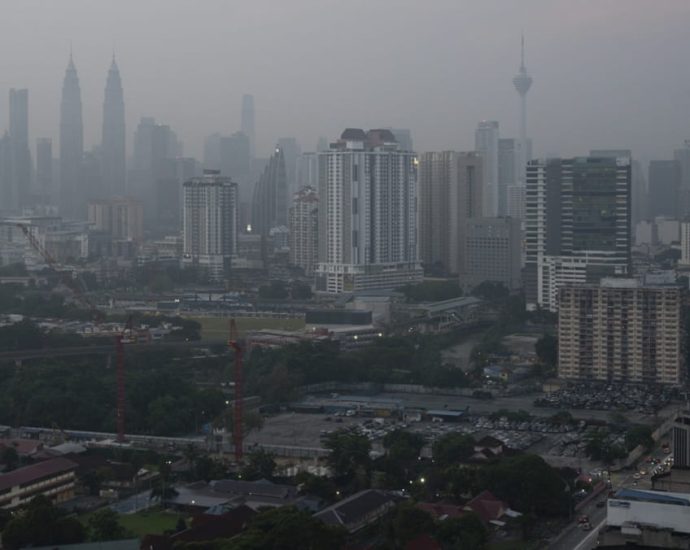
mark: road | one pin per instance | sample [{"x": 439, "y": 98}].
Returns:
[
  {"x": 574, "y": 538},
  {"x": 102, "y": 350}
]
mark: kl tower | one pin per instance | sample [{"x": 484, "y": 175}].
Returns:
[{"x": 522, "y": 82}]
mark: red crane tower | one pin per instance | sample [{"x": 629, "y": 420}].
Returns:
[
  {"x": 98, "y": 317},
  {"x": 237, "y": 428},
  {"x": 120, "y": 376}
]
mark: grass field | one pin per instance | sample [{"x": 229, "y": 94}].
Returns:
[
  {"x": 149, "y": 522},
  {"x": 216, "y": 328}
]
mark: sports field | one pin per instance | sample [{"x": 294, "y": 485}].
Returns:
[{"x": 216, "y": 328}]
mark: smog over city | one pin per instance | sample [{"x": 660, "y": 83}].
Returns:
[{"x": 377, "y": 274}]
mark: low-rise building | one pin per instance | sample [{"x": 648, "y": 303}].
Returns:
[
  {"x": 646, "y": 519},
  {"x": 54, "y": 478},
  {"x": 359, "y": 510}
]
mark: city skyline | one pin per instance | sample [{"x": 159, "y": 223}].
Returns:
[{"x": 564, "y": 66}]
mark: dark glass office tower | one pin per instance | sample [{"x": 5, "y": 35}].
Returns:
[{"x": 577, "y": 224}]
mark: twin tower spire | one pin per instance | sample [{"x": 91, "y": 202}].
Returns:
[{"x": 75, "y": 187}]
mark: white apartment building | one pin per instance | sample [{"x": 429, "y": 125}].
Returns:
[
  {"x": 304, "y": 230},
  {"x": 210, "y": 223},
  {"x": 367, "y": 214}
]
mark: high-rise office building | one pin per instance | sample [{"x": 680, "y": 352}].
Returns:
[
  {"x": 114, "y": 172},
  {"x": 450, "y": 193},
  {"x": 304, "y": 230},
  {"x": 492, "y": 252},
  {"x": 291, "y": 153},
  {"x": 44, "y": 170},
  {"x": 308, "y": 170},
  {"x": 664, "y": 186},
  {"x": 682, "y": 156},
  {"x": 577, "y": 225},
  {"x": 21, "y": 156},
  {"x": 367, "y": 214},
  {"x": 622, "y": 330},
  {"x": 249, "y": 123},
  {"x": 154, "y": 145},
  {"x": 7, "y": 190},
  {"x": 210, "y": 224},
  {"x": 72, "y": 203},
  {"x": 508, "y": 166},
  {"x": 269, "y": 206},
  {"x": 169, "y": 193},
  {"x": 638, "y": 184},
  {"x": 486, "y": 144}
]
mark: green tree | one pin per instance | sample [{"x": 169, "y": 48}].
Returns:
[
  {"x": 349, "y": 453},
  {"x": 639, "y": 434},
  {"x": 467, "y": 531},
  {"x": 452, "y": 448},
  {"x": 319, "y": 486},
  {"x": 104, "y": 524},
  {"x": 260, "y": 465},
  {"x": 529, "y": 485},
  {"x": 491, "y": 290},
  {"x": 41, "y": 524},
  {"x": 9, "y": 457},
  {"x": 286, "y": 528},
  {"x": 407, "y": 523},
  {"x": 275, "y": 290},
  {"x": 403, "y": 445},
  {"x": 546, "y": 349}
]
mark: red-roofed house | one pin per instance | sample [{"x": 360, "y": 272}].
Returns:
[
  {"x": 53, "y": 478},
  {"x": 440, "y": 510},
  {"x": 489, "y": 508}
]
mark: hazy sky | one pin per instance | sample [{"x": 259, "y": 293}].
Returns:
[{"x": 607, "y": 73}]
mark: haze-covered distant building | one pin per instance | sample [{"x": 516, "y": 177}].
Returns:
[
  {"x": 210, "y": 224},
  {"x": 367, "y": 214},
  {"x": 249, "y": 123},
  {"x": 450, "y": 193},
  {"x": 21, "y": 156},
  {"x": 154, "y": 145},
  {"x": 122, "y": 220},
  {"x": 492, "y": 252},
  {"x": 44, "y": 170},
  {"x": 304, "y": 230},
  {"x": 269, "y": 205},
  {"x": 486, "y": 144},
  {"x": 114, "y": 171},
  {"x": 577, "y": 225},
  {"x": 291, "y": 154},
  {"x": 72, "y": 203},
  {"x": 664, "y": 188},
  {"x": 682, "y": 156}
]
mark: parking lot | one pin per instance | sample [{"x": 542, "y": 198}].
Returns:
[{"x": 644, "y": 400}]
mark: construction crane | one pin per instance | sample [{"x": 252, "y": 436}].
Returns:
[
  {"x": 52, "y": 262},
  {"x": 98, "y": 317},
  {"x": 237, "y": 428},
  {"x": 120, "y": 376}
]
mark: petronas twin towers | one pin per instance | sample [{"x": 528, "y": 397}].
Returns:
[{"x": 76, "y": 186}]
